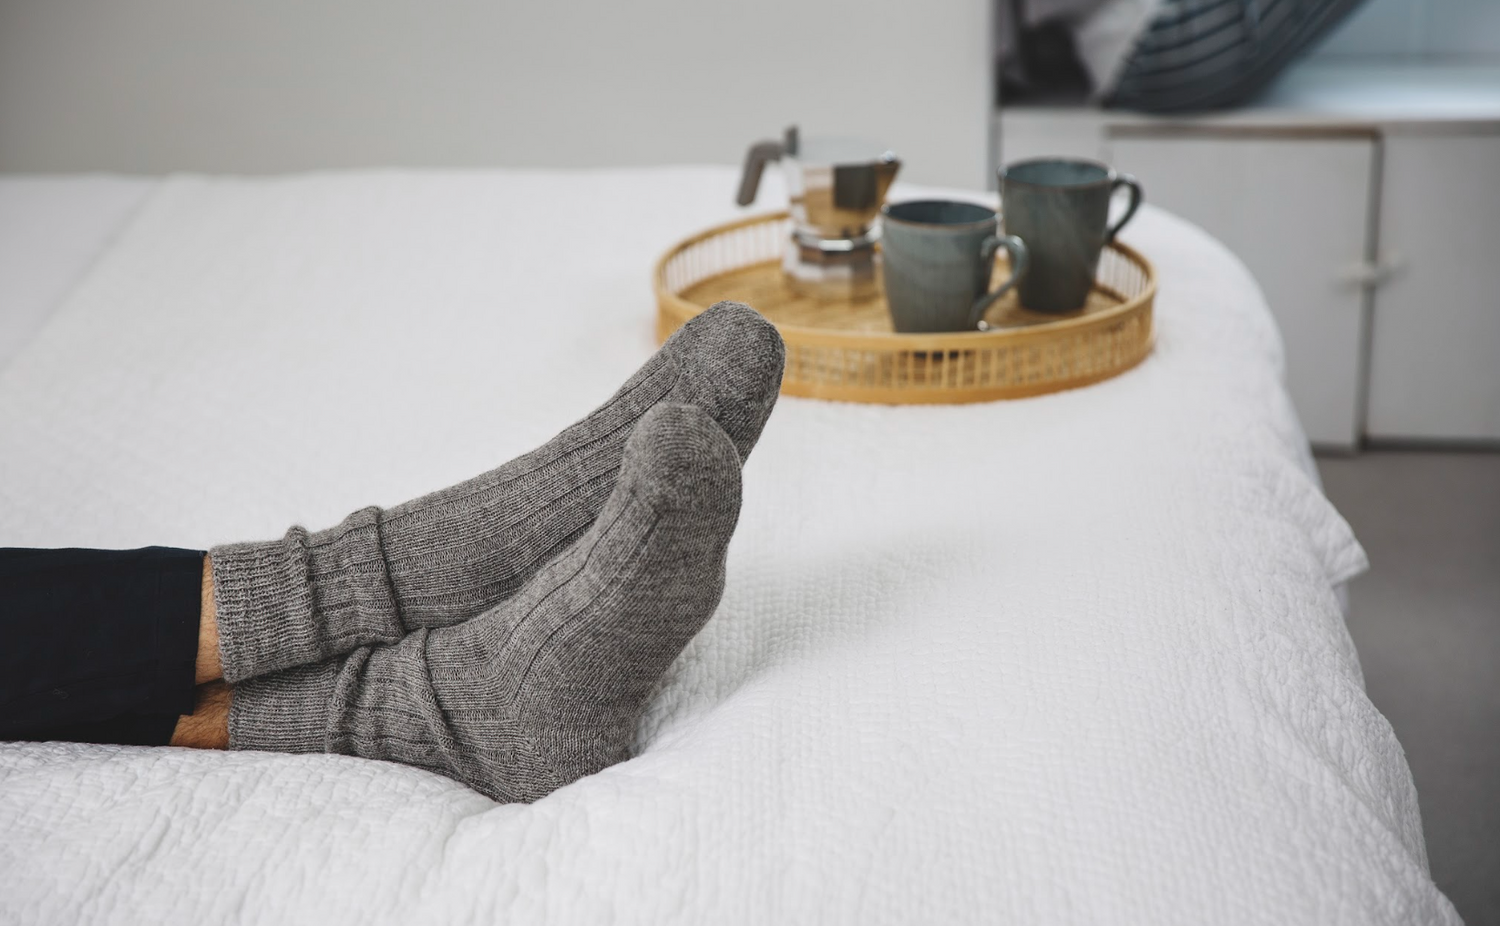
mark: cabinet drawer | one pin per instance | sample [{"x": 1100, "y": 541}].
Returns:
[
  {"x": 1296, "y": 209},
  {"x": 1435, "y": 348}
]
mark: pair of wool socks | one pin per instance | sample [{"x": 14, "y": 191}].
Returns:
[{"x": 507, "y": 631}]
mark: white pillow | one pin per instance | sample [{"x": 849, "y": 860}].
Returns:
[{"x": 1105, "y": 38}]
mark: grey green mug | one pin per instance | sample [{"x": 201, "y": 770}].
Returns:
[
  {"x": 1060, "y": 207},
  {"x": 937, "y": 259}
]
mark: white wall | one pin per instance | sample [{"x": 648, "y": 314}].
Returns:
[
  {"x": 274, "y": 85},
  {"x": 1450, "y": 30}
]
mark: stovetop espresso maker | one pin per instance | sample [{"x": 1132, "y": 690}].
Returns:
[{"x": 836, "y": 187}]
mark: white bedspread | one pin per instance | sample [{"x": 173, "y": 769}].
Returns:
[
  {"x": 51, "y": 229},
  {"x": 1072, "y": 659}
]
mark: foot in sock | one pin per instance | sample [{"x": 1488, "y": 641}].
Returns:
[
  {"x": 547, "y": 686},
  {"x": 447, "y": 556}
]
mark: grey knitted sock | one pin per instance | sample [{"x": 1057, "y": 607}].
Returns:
[
  {"x": 447, "y": 556},
  {"x": 548, "y": 686}
]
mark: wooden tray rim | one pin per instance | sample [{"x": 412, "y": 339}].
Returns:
[{"x": 895, "y": 340}]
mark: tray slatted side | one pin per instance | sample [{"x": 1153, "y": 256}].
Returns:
[
  {"x": 845, "y": 349},
  {"x": 721, "y": 250},
  {"x": 980, "y": 373}
]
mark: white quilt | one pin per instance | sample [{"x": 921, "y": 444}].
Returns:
[{"x": 1071, "y": 659}]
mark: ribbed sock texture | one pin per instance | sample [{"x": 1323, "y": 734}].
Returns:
[
  {"x": 445, "y": 557},
  {"x": 549, "y": 685}
]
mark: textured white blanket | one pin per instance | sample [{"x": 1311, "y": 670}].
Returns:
[{"x": 1072, "y": 659}]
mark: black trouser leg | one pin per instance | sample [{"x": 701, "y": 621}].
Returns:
[{"x": 98, "y": 646}]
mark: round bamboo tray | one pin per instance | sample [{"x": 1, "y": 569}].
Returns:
[{"x": 844, "y": 349}]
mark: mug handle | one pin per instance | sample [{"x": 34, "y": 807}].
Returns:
[
  {"x": 1135, "y": 203},
  {"x": 989, "y": 249}
]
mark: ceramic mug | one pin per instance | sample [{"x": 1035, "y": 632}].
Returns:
[
  {"x": 1060, "y": 207},
  {"x": 937, "y": 259}
]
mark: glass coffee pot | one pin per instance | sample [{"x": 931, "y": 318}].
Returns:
[{"x": 836, "y": 187}]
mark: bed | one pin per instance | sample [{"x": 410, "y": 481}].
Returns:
[{"x": 1071, "y": 659}]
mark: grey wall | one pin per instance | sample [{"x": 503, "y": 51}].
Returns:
[{"x": 275, "y": 85}]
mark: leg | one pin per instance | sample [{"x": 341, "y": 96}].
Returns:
[
  {"x": 660, "y": 543},
  {"x": 207, "y": 727},
  {"x": 101, "y": 645},
  {"x": 206, "y": 665},
  {"x": 290, "y": 605},
  {"x": 548, "y": 686},
  {"x": 445, "y": 557}
]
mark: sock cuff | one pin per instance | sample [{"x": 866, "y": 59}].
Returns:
[
  {"x": 263, "y": 603},
  {"x": 302, "y": 598},
  {"x": 285, "y": 711}
]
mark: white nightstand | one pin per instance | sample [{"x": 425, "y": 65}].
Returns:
[{"x": 1366, "y": 201}]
